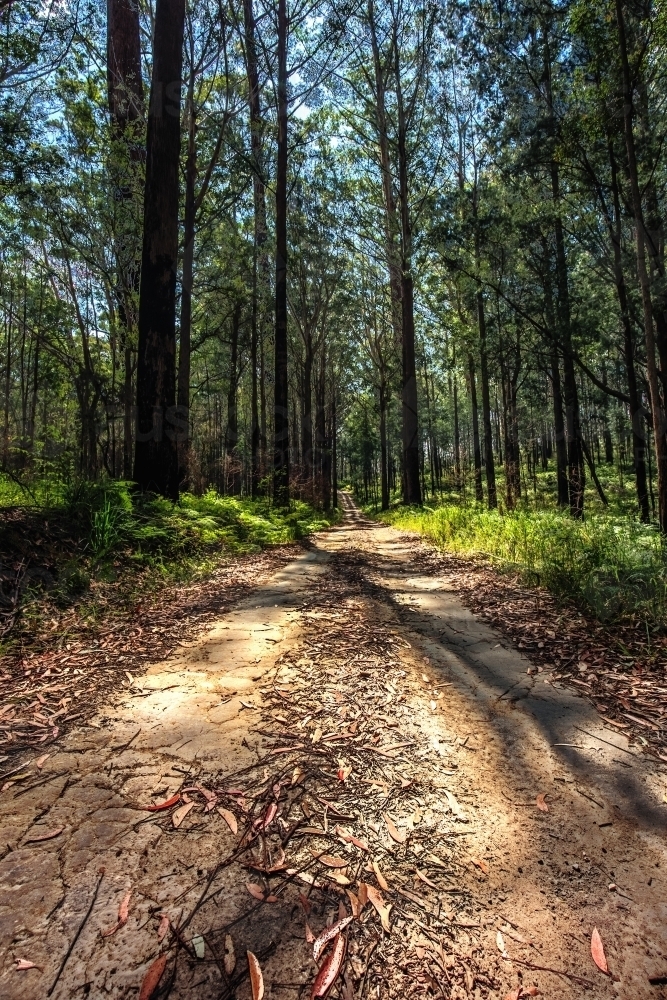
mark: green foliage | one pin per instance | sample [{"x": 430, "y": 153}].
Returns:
[{"x": 614, "y": 564}]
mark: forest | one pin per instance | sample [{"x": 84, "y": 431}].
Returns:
[{"x": 414, "y": 249}]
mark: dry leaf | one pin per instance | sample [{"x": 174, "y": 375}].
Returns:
[
  {"x": 455, "y": 807},
  {"x": 268, "y": 817},
  {"x": 482, "y": 865},
  {"x": 425, "y": 879},
  {"x": 24, "y": 963},
  {"x": 541, "y": 804},
  {"x": 297, "y": 774},
  {"x": 329, "y": 860},
  {"x": 179, "y": 815},
  {"x": 354, "y": 902},
  {"x": 164, "y": 805},
  {"x": 310, "y": 937},
  {"x": 398, "y": 835},
  {"x": 255, "y": 890},
  {"x": 328, "y": 974},
  {"x": 42, "y": 760},
  {"x": 256, "y": 978},
  {"x": 380, "y": 905},
  {"x": 382, "y": 882},
  {"x": 49, "y": 835},
  {"x": 500, "y": 943},
  {"x": 229, "y": 818},
  {"x": 152, "y": 978},
  {"x": 363, "y": 894},
  {"x": 317, "y": 735},
  {"x": 305, "y": 902},
  {"x": 164, "y": 926},
  {"x": 349, "y": 838},
  {"x": 229, "y": 958},
  {"x": 597, "y": 951},
  {"x": 327, "y": 934},
  {"x": 123, "y": 914},
  {"x": 338, "y": 877}
]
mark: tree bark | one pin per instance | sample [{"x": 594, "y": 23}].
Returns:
[
  {"x": 280, "y": 408},
  {"x": 490, "y": 469},
  {"x": 233, "y": 478},
  {"x": 185, "y": 332},
  {"x": 156, "y": 459},
  {"x": 477, "y": 454},
  {"x": 307, "y": 416},
  {"x": 659, "y": 423}
]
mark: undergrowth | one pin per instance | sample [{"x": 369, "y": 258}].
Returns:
[
  {"x": 83, "y": 544},
  {"x": 611, "y": 563}
]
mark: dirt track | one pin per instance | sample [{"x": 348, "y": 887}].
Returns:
[{"x": 351, "y": 697}]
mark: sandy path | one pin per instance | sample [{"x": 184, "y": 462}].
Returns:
[{"x": 353, "y": 656}]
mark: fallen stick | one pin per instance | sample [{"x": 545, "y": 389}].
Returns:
[
  {"x": 76, "y": 936},
  {"x": 556, "y": 972}
]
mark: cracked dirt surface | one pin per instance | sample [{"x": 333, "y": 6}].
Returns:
[{"x": 351, "y": 694}]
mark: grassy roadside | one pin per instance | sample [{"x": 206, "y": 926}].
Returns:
[
  {"x": 77, "y": 551},
  {"x": 611, "y": 564}
]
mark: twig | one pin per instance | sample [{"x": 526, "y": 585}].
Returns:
[
  {"x": 124, "y": 746},
  {"x": 76, "y": 936},
  {"x": 556, "y": 972}
]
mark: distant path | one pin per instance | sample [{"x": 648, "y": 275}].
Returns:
[{"x": 353, "y": 660}]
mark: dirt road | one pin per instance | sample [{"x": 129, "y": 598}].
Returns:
[{"x": 349, "y": 740}]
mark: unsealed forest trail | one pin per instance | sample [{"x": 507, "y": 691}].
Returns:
[{"x": 349, "y": 740}]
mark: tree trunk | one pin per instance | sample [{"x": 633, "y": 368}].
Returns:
[
  {"x": 479, "y": 489},
  {"x": 307, "y": 418},
  {"x": 384, "y": 471},
  {"x": 280, "y": 408},
  {"x": 183, "y": 395},
  {"x": 492, "y": 497},
  {"x": 260, "y": 281},
  {"x": 125, "y": 98},
  {"x": 334, "y": 445},
  {"x": 233, "y": 478},
  {"x": 658, "y": 413},
  {"x": 457, "y": 439},
  {"x": 156, "y": 460}
]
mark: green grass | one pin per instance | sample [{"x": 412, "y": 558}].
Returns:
[
  {"x": 82, "y": 545},
  {"x": 610, "y": 562}
]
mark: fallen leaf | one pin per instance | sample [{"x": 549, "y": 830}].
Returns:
[
  {"x": 24, "y": 963},
  {"x": 268, "y": 816},
  {"x": 382, "y": 882},
  {"x": 597, "y": 951},
  {"x": 380, "y": 905},
  {"x": 164, "y": 805},
  {"x": 481, "y": 864},
  {"x": 454, "y": 806},
  {"x": 425, "y": 879},
  {"x": 164, "y": 926},
  {"x": 248, "y": 704},
  {"x": 256, "y": 978},
  {"x": 317, "y": 735},
  {"x": 42, "y": 760},
  {"x": 229, "y": 955},
  {"x": 255, "y": 890},
  {"x": 123, "y": 914},
  {"x": 328, "y": 974},
  {"x": 500, "y": 943},
  {"x": 354, "y": 902},
  {"x": 229, "y": 818},
  {"x": 343, "y": 773},
  {"x": 179, "y": 815},
  {"x": 363, "y": 894},
  {"x": 310, "y": 937},
  {"x": 398, "y": 835},
  {"x": 305, "y": 902},
  {"x": 199, "y": 945},
  {"x": 330, "y": 860},
  {"x": 151, "y": 980},
  {"x": 327, "y": 934},
  {"x": 297, "y": 774},
  {"x": 541, "y": 804},
  {"x": 338, "y": 877},
  {"x": 49, "y": 835},
  {"x": 349, "y": 838}
]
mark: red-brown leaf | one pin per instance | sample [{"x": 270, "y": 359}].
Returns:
[
  {"x": 123, "y": 914},
  {"x": 597, "y": 951},
  {"x": 327, "y": 934},
  {"x": 328, "y": 974},
  {"x": 152, "y": 978},
  {"x": 256, "y": 978},
  {"x": 541, "y": 804},
  {"x": 163, "y": 805},
  {"x": 49, "y": 835},
  {"x": 255, "y": 890}
]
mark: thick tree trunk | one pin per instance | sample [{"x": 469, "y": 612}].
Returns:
[
  {"x": 280, "y": 408},
  {"x": 334, "y": 446},
  {"x": 233, "y": 478},
  {"x": 559, "y": 431},
  {"x": 126, "y": 98},
  {"x": 184, "y": 343},
  {"x": 260, "y": 282},
  {"x": 307, "y": 418},
  {"x": 477, "y": 454},
  {"x": 156, "y": 460},
  {"x": 659, "y": 423},
  {"x": 492, "y": 496}
]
